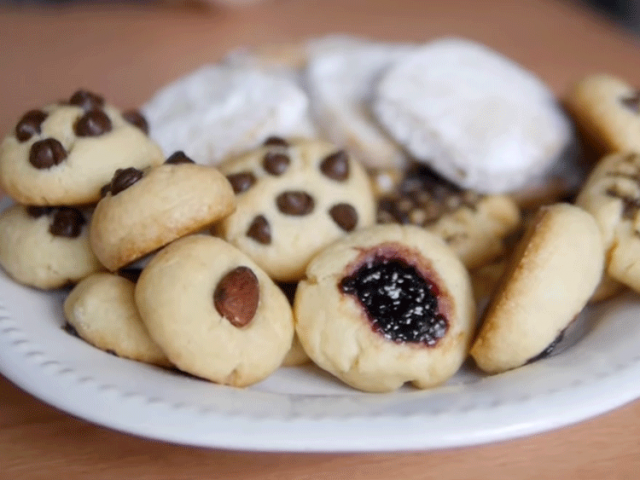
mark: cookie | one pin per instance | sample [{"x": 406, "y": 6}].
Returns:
[
  {"x": 474, "y": 225},
  {"x": 214, "y": 312},
  {"x": 144, "y": 210},
  {"x": 547, "y": 282},
  {"x": 606, "y": 110},
  {"x": 221, "y": 110},
  {"x": 340, "y": 84},
  {"x": 46, "y": 247},
  {"x": 64, "y": 153},
  {"x": 101, "y": 309},
  {"x": 612, "y": 195},
  {"x": 294, "y": 197},
  {"x": 386, "y": 305},
  {"x": 475, "y": 117}
]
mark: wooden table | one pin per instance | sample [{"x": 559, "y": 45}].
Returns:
[{"x": 127, "y": 52}]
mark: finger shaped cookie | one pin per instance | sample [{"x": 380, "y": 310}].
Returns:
[
  {"x": 340, "y": 85},
  {"x": 475, "y": 117},
  {"x": 144, "y": 210},
  {"x": 606, "y": 110},
  {"x": 46, "y": 247},
  {"x": 64, "y": 153},
  {"x": 294, "y": 198},
  {"x": 386, "y": 305},
  {"x": 214, "y": 312},
  {"x": 549, "y": 279},
  {"x": 221, "y": 110},
  {"x": 612, "y": 195},
  {"x": 474, "y": 225},
  {"x": 102, "y": 310}
]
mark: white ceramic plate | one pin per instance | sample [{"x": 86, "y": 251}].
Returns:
[{"x": 596, "y": 368}]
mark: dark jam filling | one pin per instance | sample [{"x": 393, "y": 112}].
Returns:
[{"x": 401, "y": 304}]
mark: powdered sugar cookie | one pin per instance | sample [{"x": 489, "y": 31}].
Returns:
[
  {"x": 340, "y": 85},
  {"x": 293, "y": 198},
  {"x": 64, "y": 153},
  {"x": 102, "y": 310},
  {"x": 220, "y": 110},
  {"x": 142, "y": 211},
  {"x": 46, "y": 247},
  {"x": 478, "y": 119},
  {"x": 548, "y": 280},
  {"x": 214, "y": 312},
  {"x": 384, "y": 306}
]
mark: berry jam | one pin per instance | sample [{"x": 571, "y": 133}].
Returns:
[{"x": 401, "y": 304}]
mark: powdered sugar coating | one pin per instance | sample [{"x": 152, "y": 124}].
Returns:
[
  {"x": 219, "y": 110},
  {"x": 477, "y": 118}
]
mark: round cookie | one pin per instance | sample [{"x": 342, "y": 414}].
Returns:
[
  {"x": 101, "y": 309},
  {"x": 64, "y": 153},
  {"x": 384, "y": 306},
  {"x": 340, "y": 84},
  {"x": 612, "y": 195},
  {"x": 214, "y": 312},
  {"x": 547, "y": 282},
  {"x": 142, "y": 211},
  {"x": 475, "y": 226},
  {"x": 294, "y": 198},
  {"x": 606, "y": 110},
  {"x": 221, "y": 110},
  {"x": 474, "y": 116},
  {"x": 46, "y": 247}
]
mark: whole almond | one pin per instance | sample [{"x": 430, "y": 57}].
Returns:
[{"x": 237, "y": 295}]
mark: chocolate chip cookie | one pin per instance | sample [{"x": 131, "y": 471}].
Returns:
[
  {"x": 143, "y": 210},
  {"x": 294, "y": 197},
  {"x": 64, "y": 153},
  {"x": 46, "y": 247}
]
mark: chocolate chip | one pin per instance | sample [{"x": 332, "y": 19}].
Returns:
[
  {"x": 124, "y": 178},
  {"x": 276, "y": 163},
  {"x": 37, "y": 212},
  {"x": 237, "y": 296},
  {"x": 67, "y": 222},
  {"x": 134, "y": 117},
  {"x": 345, "y": 216},
  {"x": 242, "y": 181},
  {"x": 46, "y": 153},
  {"x": 336, "y": 166},
  {"x": 86, "y": 100},
  {"x": 178, "y": 158},
  {"x": 632, "y": 102},
  {"x": 275, "y": 142},
  {"x": 92, "y": 124},
  {"x": 260, "y": 230},
  {"x": 29, "y": 124},
  {"x": 295, "y": 203}
]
